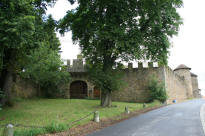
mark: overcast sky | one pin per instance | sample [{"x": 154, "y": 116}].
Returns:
[{"x": 188, "y": 47}]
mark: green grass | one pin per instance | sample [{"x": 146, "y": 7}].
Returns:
[{"x": 45, "y": 112}]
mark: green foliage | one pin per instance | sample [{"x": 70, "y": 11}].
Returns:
[
  {"x": 29, "y": 42},
  {"x": 17, "y": 19},
  {"x": 106, "y": 81},
  {"x": 23, "y": 28},
  {"x": 56, "y": 127},
  {"x": 52, "y": 128},
  {"x": 122, "y": 29},
  {"x": 30, "y": 132},
  {"x": 43, "y": 64},
  {"x": 47, "y": 70},
  {"x": 157, "y": 91}
]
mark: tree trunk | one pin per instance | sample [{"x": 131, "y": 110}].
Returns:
[
  {"x": 7, "y": 86},
  {"x": 106, "y": 100},
  {"x": 7, "y": 78},
  {"x": 108, "y": 62}
]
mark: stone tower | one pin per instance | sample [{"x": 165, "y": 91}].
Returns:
[{"x": 184, "y": 71}]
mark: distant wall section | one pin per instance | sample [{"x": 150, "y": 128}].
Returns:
[
  {"x": 176, "y": 86},
  {"x": 186, "y": 75},
  {"x": 23, "y": 88},
  {"x": 136, "y": 83},
  {"x": 195, "y": 87}
]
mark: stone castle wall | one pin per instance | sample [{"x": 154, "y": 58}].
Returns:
[
  {"x": 195, "y": 88},
  {"x": 178, "y": 83},
  {"x": 138, "y": 79},
  {"x": 136, "y": 83},
  {"x": 176, "y": 86},
  {"x": 186, "y": 74},
  {"x": 194, "y": 83},
  {"x": 23, "y": 88}
]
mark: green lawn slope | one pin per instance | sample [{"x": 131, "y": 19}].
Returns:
[{"x": 44, "y": 112}]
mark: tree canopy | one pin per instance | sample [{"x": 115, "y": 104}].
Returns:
[
  {"x": 132, "y": 29},
  {"x": 46, "y": 69},
  {"x": 24, "y": 27}
]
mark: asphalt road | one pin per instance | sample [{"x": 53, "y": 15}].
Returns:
[{"x": 175, "y": 120}]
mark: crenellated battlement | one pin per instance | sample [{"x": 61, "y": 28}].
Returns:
[
  {"x": 142, "y": 65},
  {"x": 79, "y": 66}
]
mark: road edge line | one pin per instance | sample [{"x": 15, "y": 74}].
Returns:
[{"x": 202, "y": 116}]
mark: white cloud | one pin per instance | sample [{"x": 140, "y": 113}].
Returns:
[
  {"x": 189, "y": 45},
  {"x": 69, "y": 50}
]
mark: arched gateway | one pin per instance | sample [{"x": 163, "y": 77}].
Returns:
[{"x": 79, "y": 87}]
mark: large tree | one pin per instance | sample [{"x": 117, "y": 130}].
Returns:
[
  {"x": 46, "y": 69},
  {"x": 43, "y": 65},
  {"x": 20, "y": 32},
  {"x": 112, "y": 31}
]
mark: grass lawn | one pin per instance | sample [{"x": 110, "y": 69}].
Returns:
[{"x": 43, "y": 112}]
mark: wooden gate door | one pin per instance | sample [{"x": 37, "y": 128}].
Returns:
[{"x": 78, "y": 89}]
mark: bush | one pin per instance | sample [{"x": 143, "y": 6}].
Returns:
[
  {"x": 157, "y": 91},
  {"x": 52, "y": 128},
  {"x": 55, "y": 127},
  {"x": 47, "y": 70}
]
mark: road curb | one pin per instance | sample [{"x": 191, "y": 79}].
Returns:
[{"x": 202, "y": 116}]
